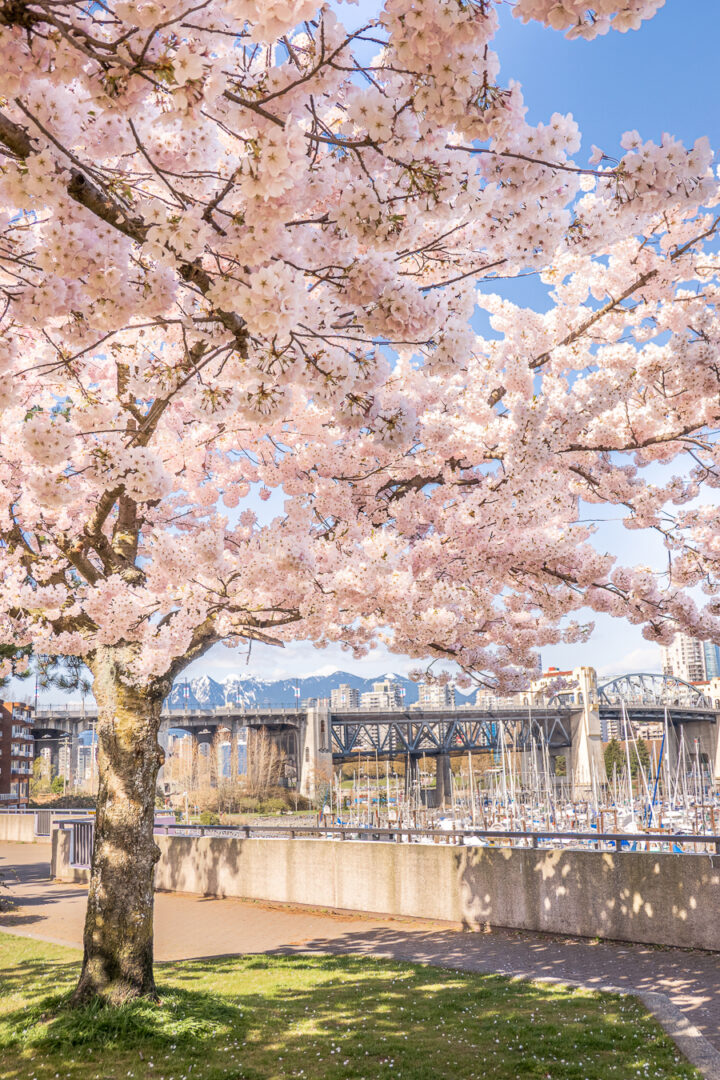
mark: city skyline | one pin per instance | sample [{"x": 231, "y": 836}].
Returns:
[
  {"x": 604, "y": 651},
  {"x": 299, "y": 661}
]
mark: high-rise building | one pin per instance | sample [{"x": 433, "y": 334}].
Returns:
[
  {"x": 345, "y": 697},
  {"x": 86, "y": 763},
  {"x": 242, "y": 759},
  {"x": 16, "y": 753},
  {"x": 435, "y": 696},
  {"x": 690, "y": 659},
  {"x": 385, "y": 694},
  {"x": 711, "y": 654},
  {"x": 224, "y": 762}
]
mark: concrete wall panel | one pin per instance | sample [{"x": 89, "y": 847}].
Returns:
[{"x": 18, "y": 828}]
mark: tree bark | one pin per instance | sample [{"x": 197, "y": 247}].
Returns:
[{"x": 118, "y": 939}]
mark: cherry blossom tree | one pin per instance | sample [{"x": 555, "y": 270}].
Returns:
[{"x": 240, "y": 249}]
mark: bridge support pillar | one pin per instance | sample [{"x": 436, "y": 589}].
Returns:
[
  {"x": 586, "y": 763},
  {"x": 316, "y": 764},
  {"x": 443, "y": 780},
  {"x": 411, "y": 776},
  {"x": 702, "y": 737},
  {"x": 714, "y": 736}
]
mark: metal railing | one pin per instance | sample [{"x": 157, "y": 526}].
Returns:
[
  {"x": 43, "y": 819},
  {"x": 81, "y": 841},
  {"x": 678, "y": 843},
  {"x": 43, "y": 822},
  {"x": 58, "y": 813},
  {"x": 401, "y": 834}
]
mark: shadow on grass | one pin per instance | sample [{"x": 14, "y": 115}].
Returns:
[
  {"x": 33, "y": 975},
  {"x": 317, "y": 1013},
  {"x": 183, "y": 1018}
]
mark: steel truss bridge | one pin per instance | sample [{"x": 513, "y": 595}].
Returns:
[
  {"x": 646, "y": 696},
  {"x": 412, "y": 733},
  {"x": 433, "y": 732}
]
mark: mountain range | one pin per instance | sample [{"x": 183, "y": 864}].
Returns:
[{"x": 205, "y": 693}]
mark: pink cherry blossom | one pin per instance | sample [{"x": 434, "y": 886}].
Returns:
[{"x": 241, "y": 253}]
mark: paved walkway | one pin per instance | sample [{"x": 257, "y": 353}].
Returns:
[{"x": 194, "y": 926}]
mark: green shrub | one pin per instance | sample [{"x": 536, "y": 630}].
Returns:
[
  {"x": 272, "y": 806},
  {"x": 208, "y": 818},
  {"x": 248, "y": 804}
]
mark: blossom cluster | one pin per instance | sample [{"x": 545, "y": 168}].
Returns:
[
  {"x": 244, "y": 254},
  {"x": 586, "y": 20}
]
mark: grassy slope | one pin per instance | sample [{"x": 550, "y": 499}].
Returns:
[{"x": 315, "y": 1018}]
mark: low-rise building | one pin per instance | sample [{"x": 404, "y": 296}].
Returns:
[
  {"x": 16, "y": 753},
  {"x": 486, "y": 699}
]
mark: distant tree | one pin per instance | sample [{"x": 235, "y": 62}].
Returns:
[
  {"x": 639, "y": 753},
  {"x": 561, "y": 765},
  {"x": 264, "y": 766},
  {"x": 57, "y": 785},
  {"x": 40, "y": 782},
  {"x": 614, "y": 755}
]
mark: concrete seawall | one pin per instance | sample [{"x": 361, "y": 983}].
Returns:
[
  {"x": 18, "y": 828},
  {"x": 631, "y": 896}
]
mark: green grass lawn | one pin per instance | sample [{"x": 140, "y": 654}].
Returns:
[{"x": 318, "y": 1018}]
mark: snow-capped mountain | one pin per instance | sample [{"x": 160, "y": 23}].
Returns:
[{"x": 206, "y": 693}]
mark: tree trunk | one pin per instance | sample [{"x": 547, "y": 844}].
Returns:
[{"x": 118, "y": 940}]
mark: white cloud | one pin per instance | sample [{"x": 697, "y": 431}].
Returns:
[
  {"x": 297, "y": 659},
  {"x": 642, "y": 659}
]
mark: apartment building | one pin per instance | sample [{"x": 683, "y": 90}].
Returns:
[
  {"x": 435, "y": 696},
  {"x": 344, "y": 697},
  {"x": 690, "y": 659},
  {"x": 385, "y": 694},
  {"x": 16, "y": 753}
]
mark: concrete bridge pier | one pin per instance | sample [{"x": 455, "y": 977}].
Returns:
[
  {"x": 715, "y": 753},
  {"x": 703, "y": 738},
  {"x": 411, "y": 775},
  {"x": 443, "y": 780},
  {"x": 316, "y": 764},
  {"x": 587, "y": 763}
]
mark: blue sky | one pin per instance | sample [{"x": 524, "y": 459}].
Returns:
[{"x": 661, "y": 78}]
